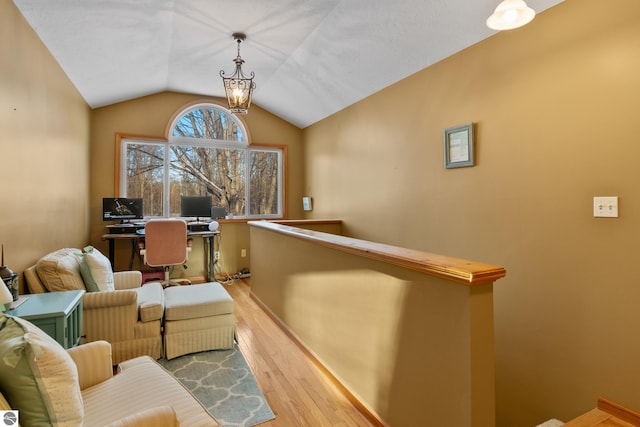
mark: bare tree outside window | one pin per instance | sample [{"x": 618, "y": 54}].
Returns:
[
  {"x": 215, "y": 172},
  {"x": 209, "y": 123},
  {"x": 207, "y": 155},
  {"x": 145, "y": 175},
  {"x": 264, "y": 182}
]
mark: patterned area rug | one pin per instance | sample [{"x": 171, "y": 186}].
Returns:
[{"x": 224, "y": 384}]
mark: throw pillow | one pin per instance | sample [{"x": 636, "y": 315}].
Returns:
[
  {"x": 37, "y": 376},
  {"x": 60, "y": 270},
  {"x": 100, "y": 268},
  {"x": 85, "y": 272}
]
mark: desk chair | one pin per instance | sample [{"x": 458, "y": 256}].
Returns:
[{"x": 165, "y": 245}]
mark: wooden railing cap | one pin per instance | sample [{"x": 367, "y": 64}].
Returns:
[{"x": 450, "y": 268}]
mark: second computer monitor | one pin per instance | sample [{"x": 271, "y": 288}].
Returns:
[{"x": 195, "y": 206}]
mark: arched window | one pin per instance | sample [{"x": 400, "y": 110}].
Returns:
[
  {"x": 208, "y": 122},
  {"x": 207, "y": 154}
]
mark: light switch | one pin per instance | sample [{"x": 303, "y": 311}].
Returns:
[
  {"x": 306, "y": 204},
  {"x": 606, "y": 207}
]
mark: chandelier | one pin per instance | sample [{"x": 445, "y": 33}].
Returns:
[
  {"x": 510, "y": 14},
  {"x": 237, "y": 86}
]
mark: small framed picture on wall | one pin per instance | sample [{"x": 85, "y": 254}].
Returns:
[{"x": 458, "y": 146}]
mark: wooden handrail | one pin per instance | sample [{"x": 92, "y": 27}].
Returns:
[{"x": 450, "y": 268}]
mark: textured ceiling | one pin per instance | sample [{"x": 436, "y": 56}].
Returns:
[{"x": 311, "y": 58}]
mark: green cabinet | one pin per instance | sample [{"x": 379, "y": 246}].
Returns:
[{"x": 58, "y": 314}]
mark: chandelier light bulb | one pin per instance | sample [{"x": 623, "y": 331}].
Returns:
[{"x": 237, "y": 95}]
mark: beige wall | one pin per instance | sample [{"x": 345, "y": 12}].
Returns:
[
  {"x": 150, "y": 116},
  {"x": 44, "y": 148},
  {"x": 416, "y": 349},
  {"x": 555, "y": 104}
]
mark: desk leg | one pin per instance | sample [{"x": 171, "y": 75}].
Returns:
[
  {"x": 212, "y": 264},
  {"x": 112, "y": 252},
  {"x": 134, "y": 245}
]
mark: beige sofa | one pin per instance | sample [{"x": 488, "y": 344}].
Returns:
[
  {"x": 47, "y": 385},
  {"x": 116, "y": 308}
]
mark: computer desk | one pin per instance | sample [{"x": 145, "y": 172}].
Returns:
[{"x": 208, "y": 237}]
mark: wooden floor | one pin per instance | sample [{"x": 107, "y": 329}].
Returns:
[{"x": 299, "y": 393}]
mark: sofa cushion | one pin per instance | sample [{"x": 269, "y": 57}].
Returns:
[
  {"x": 190, "y": 302},
  {"x": 60, "y": 270},
  {"x": 96, "y": 271},
  {"x": 150, "y": 302},
  {"x": 162, "y": 416},
  {"x": 142, "y": 385},
  {"x": 37, "y": 376}
]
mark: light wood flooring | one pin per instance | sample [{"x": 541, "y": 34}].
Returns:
[{"x": 299, "y": 393}]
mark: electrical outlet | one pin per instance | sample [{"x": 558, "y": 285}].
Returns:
[
  {"x": 243, "y": 253},
  {"x": 216, "y": 254}
]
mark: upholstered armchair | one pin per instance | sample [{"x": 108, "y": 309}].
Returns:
[
  {"x": 53, "y": 387},
  {"x": 116, "y": 307}
]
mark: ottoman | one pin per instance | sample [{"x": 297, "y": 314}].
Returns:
[{"x": 197, "y": 318}]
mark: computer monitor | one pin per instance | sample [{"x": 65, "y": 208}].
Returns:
[
  {"x": 195, "y": 206},
  {"x": 122, "y": 209},
  {"x": 218, "y": 212}
]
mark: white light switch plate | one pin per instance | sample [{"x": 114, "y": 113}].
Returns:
[
  {"x": 306, "y": 204},
  {"x": 606, "y": 207}
]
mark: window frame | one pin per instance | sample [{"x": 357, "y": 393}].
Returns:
[{"x": 281, "y": 150}]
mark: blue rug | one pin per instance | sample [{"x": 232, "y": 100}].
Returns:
[{"x": 224, "y": 384}]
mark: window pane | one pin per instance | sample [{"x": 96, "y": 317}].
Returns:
[
  {"x": 206, "y": 171},
  {"x": 208, "y": 123},
  {"x": 264, "y": 183},
  {"x": 145, "y": 175}
]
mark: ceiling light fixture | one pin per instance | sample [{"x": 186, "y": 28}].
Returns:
[
  {"x": 510, "y": 14},
  {"x": 237, "y": 86}
]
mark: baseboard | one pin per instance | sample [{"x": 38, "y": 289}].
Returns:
[{"x": 361, "y": 407}]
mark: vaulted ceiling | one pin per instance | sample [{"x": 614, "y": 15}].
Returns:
[{"x": 311, "y": 58}]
